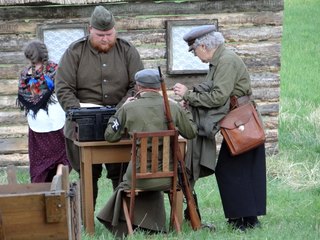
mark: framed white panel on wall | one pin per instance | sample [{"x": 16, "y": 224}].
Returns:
[
  {"x": 179, "y": 59},
  {"x": 58, "y": 37}
]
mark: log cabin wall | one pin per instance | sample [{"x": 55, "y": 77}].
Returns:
[{"x": 253, "y": 29}]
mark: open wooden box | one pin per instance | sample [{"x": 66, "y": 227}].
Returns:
[{"x": 40, "y": 211}]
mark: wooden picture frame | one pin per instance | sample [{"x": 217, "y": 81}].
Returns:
[
  {"x": 179, "y": 59},
  {"x": 58, "y": 37}
]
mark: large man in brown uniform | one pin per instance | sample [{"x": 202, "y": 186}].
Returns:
[{"x": 97, "y": 69}]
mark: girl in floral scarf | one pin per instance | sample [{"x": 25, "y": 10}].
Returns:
[{"x": 46, "y": 143}]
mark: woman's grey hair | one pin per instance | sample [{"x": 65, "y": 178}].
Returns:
[
  {"x": 36, "y": 51},
  {"x": 211, "y": 40}
]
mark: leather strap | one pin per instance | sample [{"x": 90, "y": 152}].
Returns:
[{"x": 238, "y": 101}]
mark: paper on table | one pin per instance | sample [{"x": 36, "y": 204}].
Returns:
[{"x": 90, "y": 105}]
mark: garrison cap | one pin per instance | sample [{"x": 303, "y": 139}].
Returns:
[
  {"x": 102, "y": 19},
  {"x": 197, "y": 32},
  {"x": 149, "y": 78}
]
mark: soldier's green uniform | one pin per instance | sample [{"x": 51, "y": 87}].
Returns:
[
  {"x": 147, "y": 114},
  {"x": 143, "y": 114}
]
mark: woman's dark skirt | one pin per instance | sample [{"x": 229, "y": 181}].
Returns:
[
  {"x": 46, "y": 152},
  {"x": 242, "y": 182}
]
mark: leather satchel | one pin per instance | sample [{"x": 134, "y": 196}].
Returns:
[{"x": 242, "y": 129}]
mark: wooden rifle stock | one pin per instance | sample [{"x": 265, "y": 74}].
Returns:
[{"x": 191, "y": 205}]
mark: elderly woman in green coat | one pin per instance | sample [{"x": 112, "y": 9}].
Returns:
[{"x": 241, "y": 179}]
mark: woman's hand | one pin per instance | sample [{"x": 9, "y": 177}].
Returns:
[
  {"x": 184, "y": 104},
  {"x": 179, "y": 89}
]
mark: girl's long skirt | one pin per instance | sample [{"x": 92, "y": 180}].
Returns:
[{"x": 46, "y": 151}]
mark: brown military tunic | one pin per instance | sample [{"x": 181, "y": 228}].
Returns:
[{"x": 87, "y": 76}]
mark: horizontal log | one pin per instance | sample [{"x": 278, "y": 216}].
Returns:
[
  {"x": 271, "y": 122},
  {"x": 256, "y": 49},
  {"x": 265, "y": 79},
  {"x": 12, "y": 117},
  {"x": 14, "y": 41},
  {"x": 12, "y": 58},
  {"x": 31, "y": 27},
  {"x": 10, "y": 71},
  {"x": 272, "y": 148},
  {"x": 272, "y": 135},
  {"x": 252, "y": 34},
  {"x": 8, "y": 87},
  {"x": 13, "y": 131},
  {"x": 24, "y": 30},
  {"x": 143, "y": 8},
  {"x": 8, "y": 102},
  {"x": 16, "y": 159},
  {"x": 266, "y": 94},
  {"x": 269, "y": 108},
  {"x": 13, "y": 145},
  {"x": 224, "y": 20}
]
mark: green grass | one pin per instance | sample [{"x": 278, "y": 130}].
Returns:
[
  {"x": 293, "y": 199},
  {"x": 299, "y": 136}
]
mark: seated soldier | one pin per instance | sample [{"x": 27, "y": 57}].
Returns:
[{"x": 144, "y": 112}]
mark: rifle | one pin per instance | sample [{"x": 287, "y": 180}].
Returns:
[{"x": 191, "y": 205}]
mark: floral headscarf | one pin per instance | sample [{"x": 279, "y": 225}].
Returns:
[{"x": 35, "y": 89}]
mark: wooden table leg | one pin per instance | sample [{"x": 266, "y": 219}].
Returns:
[
  {"x": 87, "y": 191},
  {"x": 82, "y": 184}
]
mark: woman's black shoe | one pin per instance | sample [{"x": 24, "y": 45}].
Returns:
[
  {"x": 251, "y": 222},
  {"x": 237, "y": 224}
]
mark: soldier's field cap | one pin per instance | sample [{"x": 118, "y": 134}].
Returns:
[
  {"x": 149, "y": 78},
  {"x": 102, "y": 19},
  {"x": 197, "y": 32}
]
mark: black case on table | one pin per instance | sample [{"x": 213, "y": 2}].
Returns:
[{"x": 90, "y": 122}]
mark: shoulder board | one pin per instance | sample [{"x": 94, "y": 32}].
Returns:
[
  {"x": 123, "y": 41},
  {"x": 78, "y": 42}
]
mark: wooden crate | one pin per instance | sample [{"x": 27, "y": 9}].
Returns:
[{"x": 40, "y": 211}]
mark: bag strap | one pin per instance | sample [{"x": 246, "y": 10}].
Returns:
[{"x": 238, "y": 101}]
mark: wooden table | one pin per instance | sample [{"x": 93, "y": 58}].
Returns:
[{"x": 105, "y": 152}]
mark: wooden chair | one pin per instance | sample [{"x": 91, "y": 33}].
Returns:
[{"x": 148, "y": 142}]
